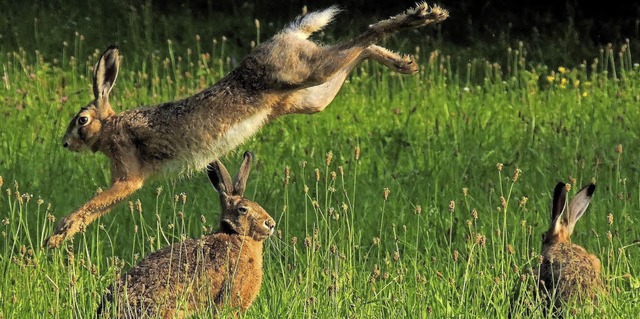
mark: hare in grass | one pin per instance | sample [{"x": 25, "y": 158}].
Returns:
[
  {"x": 221, "y": 269},
  {"x": 285, "y": 75},
  {"x": 568, "y": 272}
]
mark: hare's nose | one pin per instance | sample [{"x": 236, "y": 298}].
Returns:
[
  {"x": 65, "y": 144},
  {"x": 270, "y": 224}
]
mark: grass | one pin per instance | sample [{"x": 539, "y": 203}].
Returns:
[{"x": 422, "y": 222}]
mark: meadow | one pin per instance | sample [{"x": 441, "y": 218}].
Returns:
[{"x": 419, "y": 196}]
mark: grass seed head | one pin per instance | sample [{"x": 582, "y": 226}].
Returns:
[
  {"x": 329, "y": 158},
  {"x": 139, "y": 206},
  {"x": 516, "y": 174},
  {"x": 610, "y": 219},
  {"x": 385, "y": 193},
  {"x": 307, "y": 242},
  {"x": 287, "y": 175},
  {"x": 183, "y": 198},
  {"x": 481, "y": 240},
  {"x": 523, "y": 201}
]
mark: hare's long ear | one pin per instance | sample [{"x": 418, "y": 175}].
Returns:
[
  {"x": 220, "y": 178},
  {"x": 243, "y": 175},
  {"x": 579, "y": 205},
  {"x": 558, "y": 205},
  {"x": 105, "y": 73}
]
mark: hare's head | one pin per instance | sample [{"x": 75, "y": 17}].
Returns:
[
  {"x": 564, "y": 218},
  {"x": 239, "y": 215},
  {"x": 85, "y": 128}
]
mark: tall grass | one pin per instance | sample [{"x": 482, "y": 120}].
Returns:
[{"x": 410, "y": 196}]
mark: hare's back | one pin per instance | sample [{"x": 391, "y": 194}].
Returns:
[{"x": 571, "y": 271}]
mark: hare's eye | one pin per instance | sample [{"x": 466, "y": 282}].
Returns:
[
  {"x": 242, "y": 210},
  {"x": 83, "y": 120}
]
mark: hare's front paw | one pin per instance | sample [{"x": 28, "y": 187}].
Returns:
[{"x": 66, "y": 228}]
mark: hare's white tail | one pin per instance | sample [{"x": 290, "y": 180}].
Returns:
[{"x": 306, "y": 25}]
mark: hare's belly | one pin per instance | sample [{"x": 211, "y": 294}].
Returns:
[{"x": 198, "y": 152}]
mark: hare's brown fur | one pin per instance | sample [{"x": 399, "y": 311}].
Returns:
[
  {"x": 284, "y": 75},
  {"x": 222, "y": 269},
  {"x": 568, "y": 272}
]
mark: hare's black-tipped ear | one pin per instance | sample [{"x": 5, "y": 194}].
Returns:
[
  {"x": 559, "y": 200},
  {"x": 105, "y": 73},
  {"x": 579, "y": 205},
  {"x": 558, "y": 206},
  {"x": 243, "y": 174},
  {"x": 219, "y": 177}
]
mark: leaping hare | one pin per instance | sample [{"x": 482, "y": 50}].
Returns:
[
  {"x": 568, "y": 271},
  {"x": 222, "y": 269},
  {"x": 285, "y": 75}
]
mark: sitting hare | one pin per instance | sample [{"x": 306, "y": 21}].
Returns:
[
  {"x": 568, "y": 271},
  {"x": 224, "y": 268},
  {"x": 285, "y": 75}
]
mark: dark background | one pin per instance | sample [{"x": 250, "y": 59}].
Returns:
[
  {"x": 552, "y": 33},
  {"x": 598, "y": 21}
]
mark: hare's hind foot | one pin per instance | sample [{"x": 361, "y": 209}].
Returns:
[{"x": 416, "y": 17}]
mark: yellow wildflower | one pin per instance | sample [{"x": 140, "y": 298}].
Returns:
[
  {"x": 563, "y": 83},
  {"x": 550, "y": 78},
  {"x": 562, "y": 70}
]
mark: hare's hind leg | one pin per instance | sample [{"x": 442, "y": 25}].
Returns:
[
  {"x": 326, "y": 69},
  {"x": 316, "y": 98},
  {"x": 337, "y": 58},
  {"x": 94, "y": 208}
]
